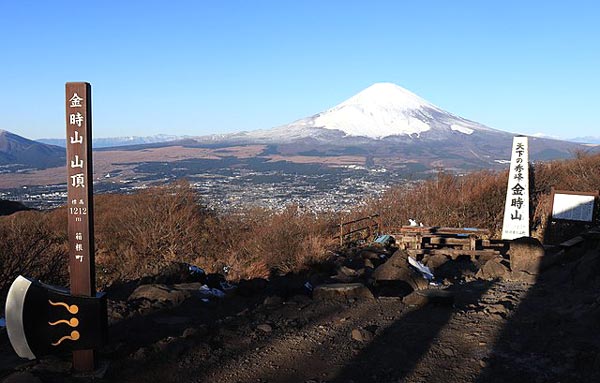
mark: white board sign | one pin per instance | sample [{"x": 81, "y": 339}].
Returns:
[
  {"x": 516, "y": 208},
  {"x": 573, "y": 207}
]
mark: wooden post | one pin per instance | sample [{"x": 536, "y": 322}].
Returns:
[
  {"x": 80, "y": 201},
  {"x": 472, "y": 242}
]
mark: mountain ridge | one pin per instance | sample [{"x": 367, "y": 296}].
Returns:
[
  {"x": 20, "y": 152},
  {"x": 380, "y": 111},
  {"x": 388, "y": 121},
  {"x": 107, "y": 142},
  {"x": 382, "y": 127}
]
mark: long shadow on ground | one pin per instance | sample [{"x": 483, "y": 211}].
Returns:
[
  {"x": 553, "y": 335},
  {"x": 395, "y": 353}
]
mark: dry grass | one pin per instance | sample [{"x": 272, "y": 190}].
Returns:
[
  {"x": 477, "y": 199},
  {"x": 262, "y": 243},
  {"x": 31, "y": 246},
  {"x": 136, "y": 235},
  {"x": 139, "y": 234}
]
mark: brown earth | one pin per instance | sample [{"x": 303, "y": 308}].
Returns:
[
  {"x": 124, "y": 161},
  {"x": 484, "y": 328}
]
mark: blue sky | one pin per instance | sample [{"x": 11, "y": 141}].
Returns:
[{"x": 203, "y": 67}]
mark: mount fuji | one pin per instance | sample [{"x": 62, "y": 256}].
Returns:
[
  {"x": 389, "y": 125},
  {"x": 383, "y": 128},
  {"x": 384, "y": 110}
]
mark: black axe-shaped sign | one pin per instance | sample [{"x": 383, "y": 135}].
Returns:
[{"x": 43, "y": 319}]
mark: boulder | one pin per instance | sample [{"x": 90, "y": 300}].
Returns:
[
  {"x": 397, "y": 268},
  {"x": 462, "y": 267},
  {"x": 171, "y": 320},
  {"x": 250, "y": 287},
  {"x": 369, "y": 254},
  {"x": 355, "y": 263},
  {"x": 423, "y": 297},
  {"x": 342, "y": 291},
  {"x": 523, "y": 276},
  {"x": 361, "y": 335},
  {"x": 526, "y": 255},
  {"x": 272, "y": 300},
  {"x": 22, "y": 377},
  {"x": 289, "y": 285},
  {"x": 493, "y": 269},
  {"x": 265, "y": 327},
  {"x": 587, "y": 271},
  {"x": 214, "y": 280},
  {"x": 176, "y": 272},
  {"x": 160, "y": 293},
  {"x": 435, "y": 261},
  {"x": 415, "y": 300},
  {"x": 346, "y": 274}
]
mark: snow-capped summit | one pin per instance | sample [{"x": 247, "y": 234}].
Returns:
[
  {"x": 383, "y": 109},
  {"x": 386, "y": 95},
  {"x": 386, "y": 109}
]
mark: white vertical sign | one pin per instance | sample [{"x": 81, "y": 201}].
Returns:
[{"x": 516, "y": 209}]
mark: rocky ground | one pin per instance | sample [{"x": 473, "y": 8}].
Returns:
[{"x": 531, "y": 316}]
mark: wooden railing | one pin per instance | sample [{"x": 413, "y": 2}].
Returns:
[{"x": 370, "y": 224}]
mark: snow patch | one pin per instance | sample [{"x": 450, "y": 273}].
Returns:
[
  {"x": 387, "y": 96},
  {"x": 461, "y": 129},
  {"x": 381, "y": 110},
  {"x": 373, "y": 121},
  {"x": 544, "y": 135}
]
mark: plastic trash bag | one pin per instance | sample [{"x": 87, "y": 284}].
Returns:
[
  {"x": 424, "y": 270},
  {"x": 207, "y": 292}
]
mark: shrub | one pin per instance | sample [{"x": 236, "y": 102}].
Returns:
[
  {"x": 474, "y": 200},
  {"x": 139, "y": 234},
  {"x": 264, "y": 243},
  {"x": 477, "y": 199},
  {"x": 30, "y": 246}
]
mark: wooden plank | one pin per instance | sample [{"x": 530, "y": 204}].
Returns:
[
  {"x": 434, "y": 230},
  {"x": 572, "y": 242},
  {"x": 462, "y": 231},
  {"x": 342, "y": 234},
  {"x": 455, "y": 253},
  {"x": 449, "y": 241},
  {"x": 360, "y": 219},
  {"x": 404, "y": 230}
]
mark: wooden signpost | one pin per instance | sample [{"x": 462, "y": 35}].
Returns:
[
  {"x": 80, "y": 201},
  {"x": 42, "y": 319}
]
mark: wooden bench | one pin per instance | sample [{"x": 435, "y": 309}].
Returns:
[
  {"x": 572, "y": 242},
  {"x": 417, "y": 237}
]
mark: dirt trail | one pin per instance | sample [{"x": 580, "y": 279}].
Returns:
[{"x": 314, "y": 341}]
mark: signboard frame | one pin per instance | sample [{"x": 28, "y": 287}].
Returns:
[{"x": 595, "y": 194}]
